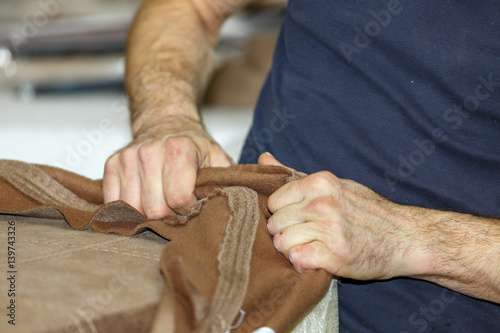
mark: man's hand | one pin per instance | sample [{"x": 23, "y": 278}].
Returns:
[
  {"x": 156, "y": 172},
  {"x": 321, "y": 221}
]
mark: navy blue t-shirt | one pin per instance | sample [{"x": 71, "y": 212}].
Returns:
[{"x": 403, "y": 97}]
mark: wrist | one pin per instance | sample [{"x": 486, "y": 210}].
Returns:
[
  {"x": 173, "y": 115},
  {"x": 414, "y": 256},
  {"x": 435, "y": 242},
  {"x": 157, "y": 126},
  {"x": 157, "y": 95}
]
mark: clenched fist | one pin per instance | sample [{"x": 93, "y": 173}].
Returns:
[
  {"x": 156, "y": 172},
  {"x": 321, "y": 221}
]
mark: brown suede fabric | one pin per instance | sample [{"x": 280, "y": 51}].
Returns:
[{"x": 221, "y": 270}]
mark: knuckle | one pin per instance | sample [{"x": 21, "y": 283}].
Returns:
[
  {"x": 176, "y": 146},
  {"x": 297, "y": 253},
  {"x": 322, "y": 181}
]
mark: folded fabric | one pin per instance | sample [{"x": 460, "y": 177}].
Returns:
[{"x": 221, "y": 270}]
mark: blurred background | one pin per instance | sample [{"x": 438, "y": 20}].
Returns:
[{"x": 62, "y": 101}]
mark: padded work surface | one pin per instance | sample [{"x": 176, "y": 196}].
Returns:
[{"x": 72, "y": 281}]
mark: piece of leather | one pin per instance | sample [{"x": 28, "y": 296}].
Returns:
[{"x": 220, "y": 265}]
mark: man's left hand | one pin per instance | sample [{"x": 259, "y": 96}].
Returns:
[{"x": 339, "y": 225}]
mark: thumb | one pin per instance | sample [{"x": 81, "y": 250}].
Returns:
[{"x": 268, "y": 159}]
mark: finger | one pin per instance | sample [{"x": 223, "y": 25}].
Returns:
[
  {"x": 179, "y": 174},
  {"x": 288, "y": 216},
  {"x": 130, "y": 179},
  {"x": 313, "y": 255},
  {"x": 289, "y": 194},
  {"x": 268, "y": 159},
  {"x": 153, "y": 200},
  {"x": 110, "y": 181},
  {"x": 318, "y": 184},
  {"x": 294, "y": 235}
]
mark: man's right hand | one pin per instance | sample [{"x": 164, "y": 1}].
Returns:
[{"x": 156, "y": 172}]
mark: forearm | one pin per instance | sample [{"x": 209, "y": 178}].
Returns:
[
  {"x": 457, "y": 251},
  {"x": 169, "y": 59}
]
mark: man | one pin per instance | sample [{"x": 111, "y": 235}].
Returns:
[{"x": 398, "y": 97}]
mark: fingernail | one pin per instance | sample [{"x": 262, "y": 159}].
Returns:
[{"x": 268, "y": 153}]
